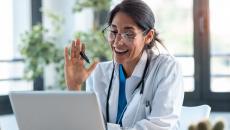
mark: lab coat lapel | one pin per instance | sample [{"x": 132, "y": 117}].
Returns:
[
  {"x": 113, "y": 101},
  {"x": 132, "y": 109},
  {"x": 108, "y": 77}
]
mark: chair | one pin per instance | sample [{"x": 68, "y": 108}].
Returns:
[{"x": 193, "y": 114}]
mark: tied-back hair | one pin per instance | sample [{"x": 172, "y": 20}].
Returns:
[{"x": 142, "y": 15}]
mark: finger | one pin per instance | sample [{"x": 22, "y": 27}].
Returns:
[
  {"x": 83, "y": 47},
  {"x": 73, "y": 50},
  {"x": 66, "y": 51},
  {"x": 78, "y": 48},
  {"x": 92, "y": 67}
]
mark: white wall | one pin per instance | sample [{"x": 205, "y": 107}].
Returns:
[
  {"x": 21, "y": 11},
  {"x": 73, "y": 21}
]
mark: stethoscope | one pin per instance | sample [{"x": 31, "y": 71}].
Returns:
[{"x": 142, "y": 82}]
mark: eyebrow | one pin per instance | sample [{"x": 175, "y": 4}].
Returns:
[{"x": 126, "y": 28}]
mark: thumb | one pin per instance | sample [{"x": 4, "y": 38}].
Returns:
[{"x": 92, "y": 67}]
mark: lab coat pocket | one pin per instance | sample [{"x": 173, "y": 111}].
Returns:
[{"x": 147, "y": 108}]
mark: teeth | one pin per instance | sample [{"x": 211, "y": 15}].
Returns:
[{"x": 120, "y": 51}]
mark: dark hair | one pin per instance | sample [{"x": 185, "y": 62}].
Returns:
[{"x": 142, "y": 15}]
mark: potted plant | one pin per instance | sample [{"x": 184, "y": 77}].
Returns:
[
  {"x": 40, "y": 49},
  {"x": 206, "y": 125}
]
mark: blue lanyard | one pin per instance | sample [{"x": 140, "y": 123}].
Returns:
[{"x": 122, "y": 97}]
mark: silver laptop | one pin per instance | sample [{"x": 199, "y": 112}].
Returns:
[{"x": 62, "y": 110}]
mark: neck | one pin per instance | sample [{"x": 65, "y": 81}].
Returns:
[{"x": 130, "y": 66}]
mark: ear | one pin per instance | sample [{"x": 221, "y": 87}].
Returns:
[{"x": 149, "y": 36}]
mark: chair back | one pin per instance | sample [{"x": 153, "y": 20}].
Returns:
[{"x": 194, "y": 114}]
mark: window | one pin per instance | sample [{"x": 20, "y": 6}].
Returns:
[
  {"x": 175, "y": 24},
  {"x": 220, "y": 52},
  {"x": 15, "y": 19},
  {"x": 196, "y": 32}
]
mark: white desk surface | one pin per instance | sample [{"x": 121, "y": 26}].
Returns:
[{"x": 8, "y": 122}]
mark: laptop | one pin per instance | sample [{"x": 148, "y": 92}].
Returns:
[{"x": 62, "y": 110}]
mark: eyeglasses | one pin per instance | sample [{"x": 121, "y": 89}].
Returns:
[{"x": 128, "y": 37}]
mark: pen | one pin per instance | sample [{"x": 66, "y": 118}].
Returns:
[{"x": 84, "y": 57}]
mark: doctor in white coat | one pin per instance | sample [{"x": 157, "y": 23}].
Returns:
[{"x": 140, "y": 89}]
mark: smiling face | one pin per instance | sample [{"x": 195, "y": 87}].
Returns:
[{"x": 126, "y": 52}]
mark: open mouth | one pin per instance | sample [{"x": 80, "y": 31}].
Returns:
[{"x": 119, "y": 51}]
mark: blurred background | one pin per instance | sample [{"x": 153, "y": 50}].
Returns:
[{"x": 33, "y": 34}]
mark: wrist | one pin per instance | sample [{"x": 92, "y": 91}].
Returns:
[{"x": 75, "y": 88}]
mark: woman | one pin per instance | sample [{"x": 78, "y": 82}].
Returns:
[{"x": 139, "y": 89}]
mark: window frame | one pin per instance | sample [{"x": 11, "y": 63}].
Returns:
[{"x": 202, "y": 94}]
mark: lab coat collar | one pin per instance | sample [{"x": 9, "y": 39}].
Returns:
[{"x": 139, "y": 68}]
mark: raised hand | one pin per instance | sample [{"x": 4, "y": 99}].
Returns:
[{"x": 75, "y": 71}]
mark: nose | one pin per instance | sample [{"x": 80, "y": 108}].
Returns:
[{"x": 117, "y": 38}]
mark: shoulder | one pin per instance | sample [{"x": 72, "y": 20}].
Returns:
[
  {"x": 165, "y": 58},
  {"x": 99, "y": 75},
  {"x": 102, "y": 68},
  {"x": 165, "y": 64}
]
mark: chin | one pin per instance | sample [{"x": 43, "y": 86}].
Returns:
[{"x": 119, "y": 60}]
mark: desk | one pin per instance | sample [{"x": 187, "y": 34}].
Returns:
[{"x": 8, "y": 122}]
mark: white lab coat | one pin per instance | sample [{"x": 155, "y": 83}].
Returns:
[{"x": 163, "y": 91}]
